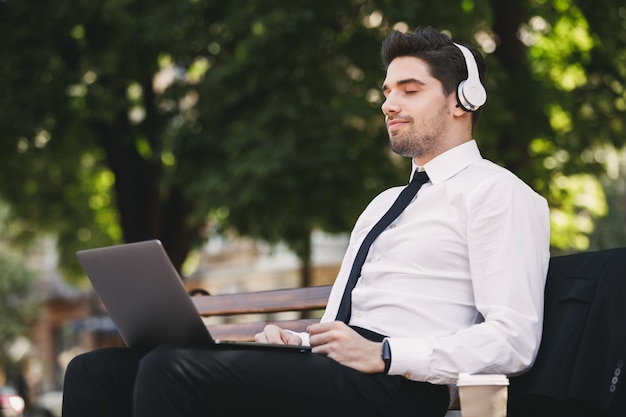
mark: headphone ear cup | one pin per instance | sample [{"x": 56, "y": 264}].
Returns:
[{"x": 471, "y": 95}]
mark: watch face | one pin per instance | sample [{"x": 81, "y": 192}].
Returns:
[
  {"x": 386, "y": 355},
  {"x": 386, "y": 349}
]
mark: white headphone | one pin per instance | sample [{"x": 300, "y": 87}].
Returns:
[{"x": 470, "y": 93}]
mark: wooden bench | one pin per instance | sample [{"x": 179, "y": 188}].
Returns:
[{"x": 229, "y": 306}]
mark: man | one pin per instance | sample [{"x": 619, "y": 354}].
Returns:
[{"x": 454, "y": 284}]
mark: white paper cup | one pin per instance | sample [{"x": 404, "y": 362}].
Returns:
[{"x": 483, "y": 395}]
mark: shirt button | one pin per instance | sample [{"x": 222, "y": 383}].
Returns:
[
  {"x": 367, "y": 283},
  {"x": 358, "y": 314},
  {"x": 377, "y": 257},
  {"x": 392, "y": 225},
  {"x": 408, "y": 375}
]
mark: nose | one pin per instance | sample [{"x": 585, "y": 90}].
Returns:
[{"x": 389, "y": 107}]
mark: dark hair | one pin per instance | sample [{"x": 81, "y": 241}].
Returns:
[{"x": 446, "y": 61}]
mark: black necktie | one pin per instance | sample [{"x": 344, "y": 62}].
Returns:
[{"x": 403, "y": 200}]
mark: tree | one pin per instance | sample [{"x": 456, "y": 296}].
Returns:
[
  {"x": 228, "y": 133},
  {"x": 579, "y": 65},
  {"x": 17, "y": 307},
  {"x": 125, "y": 121}
]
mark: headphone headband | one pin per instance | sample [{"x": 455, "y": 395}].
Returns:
[{"x": 470, "y": 93}]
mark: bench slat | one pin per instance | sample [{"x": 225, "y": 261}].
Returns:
[
  {"x": 292, "y": 299},
  {"x": 246, "y": 331}
]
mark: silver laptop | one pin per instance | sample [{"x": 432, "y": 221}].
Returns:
[{"x": 146, "y": 299}]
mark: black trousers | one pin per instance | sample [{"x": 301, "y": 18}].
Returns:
[{"x": 195, "y": 381}]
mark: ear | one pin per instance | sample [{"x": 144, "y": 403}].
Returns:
[{"x": 456, "y": 109}]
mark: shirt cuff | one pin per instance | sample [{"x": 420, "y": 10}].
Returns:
[{"x": 410, "y": 357}]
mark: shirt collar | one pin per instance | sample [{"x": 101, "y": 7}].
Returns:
[{"x": 450, "y": 162}]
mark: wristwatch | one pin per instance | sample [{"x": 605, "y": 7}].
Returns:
[{"x": 386, "y": 355}]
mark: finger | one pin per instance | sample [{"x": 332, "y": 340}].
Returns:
[
  {"x": 318, "y": 328},
  {"x": 260, "y": 338},
  {"x": 285, "y": 336},
  {"x": 270, "y": 334},
  {"x": 320, "y": 338}
]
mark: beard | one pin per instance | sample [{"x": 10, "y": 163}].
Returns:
[
  {"x": 412, "y": 144},
  {"x": 417, "y": 141}
]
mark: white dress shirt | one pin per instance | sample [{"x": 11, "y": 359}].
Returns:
[{"x": 457, "y": 281}]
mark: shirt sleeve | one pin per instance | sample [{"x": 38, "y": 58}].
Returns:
[{"x": 508, "y": 238}]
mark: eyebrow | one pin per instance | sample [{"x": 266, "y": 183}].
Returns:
[{"x": 385, "y": 87}]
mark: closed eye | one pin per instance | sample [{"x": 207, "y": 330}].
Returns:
[{"x": 409, "y": 84}]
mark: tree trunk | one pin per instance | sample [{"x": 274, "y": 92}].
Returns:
[
  {"x": 147, "y": 210},
  {"x": 524, "y": 102}
]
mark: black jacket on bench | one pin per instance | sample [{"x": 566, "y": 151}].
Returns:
[{"x": 582, "y": 357}]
